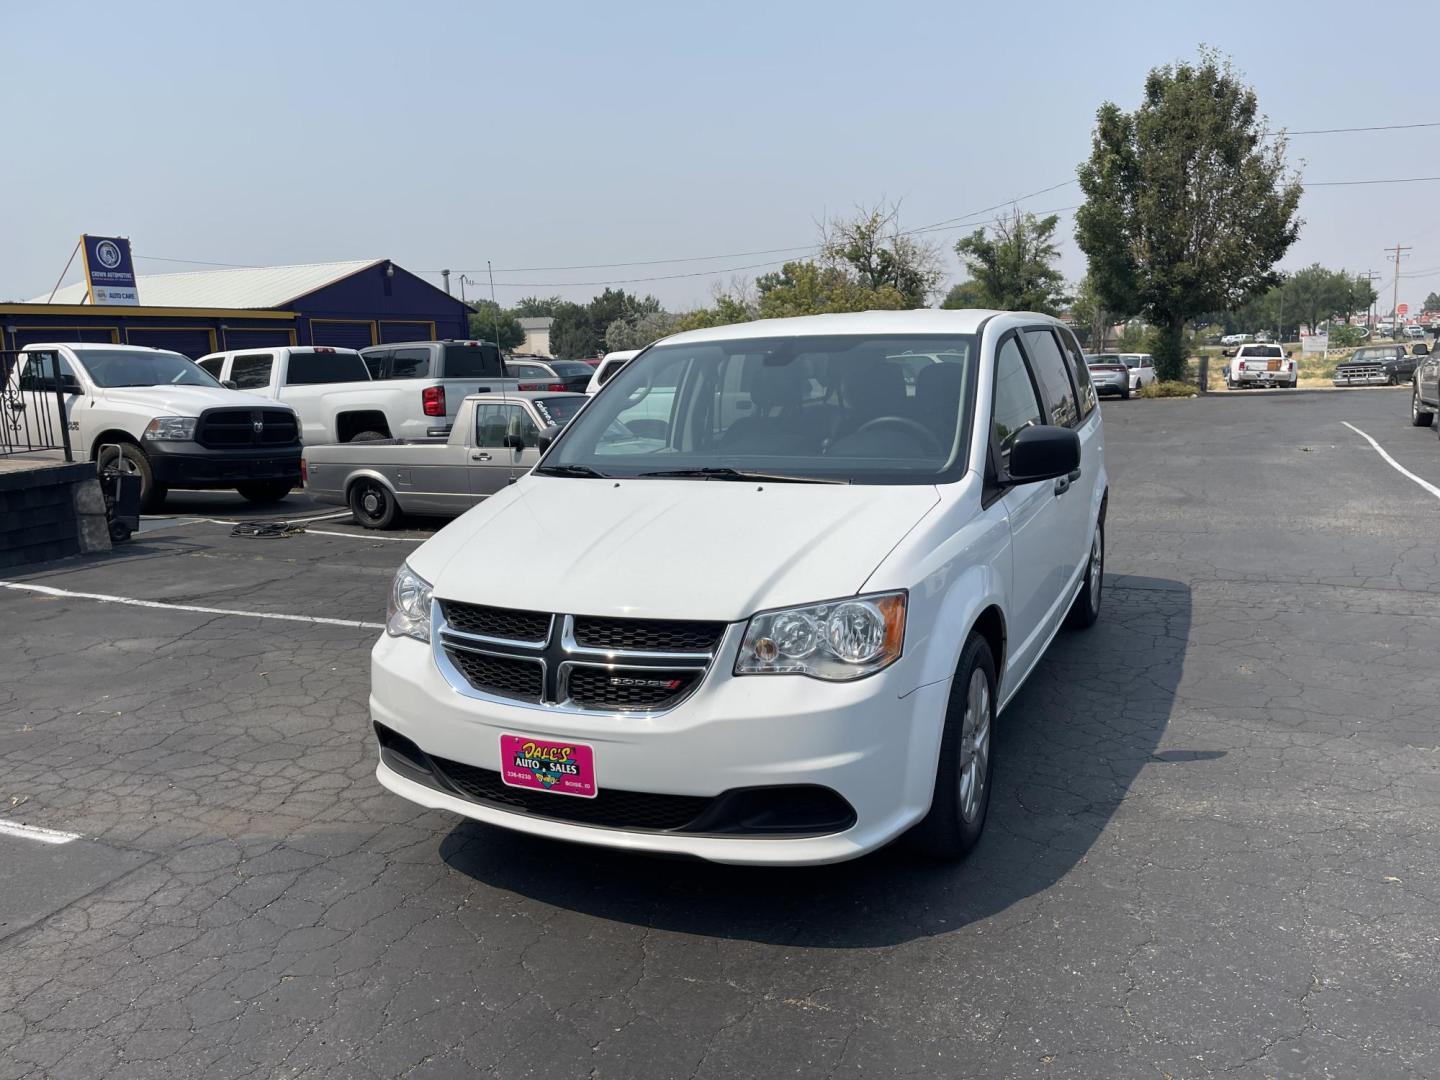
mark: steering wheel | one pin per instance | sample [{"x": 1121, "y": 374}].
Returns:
[{"x": 911, "y": 427}]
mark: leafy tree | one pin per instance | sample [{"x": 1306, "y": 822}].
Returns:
[
  {"x": 637, "y": 332},
  {"x": 1089, "y": 313},
  {"x": 1015, "y": 266},
  {"x": 1188, "y": 205},
  {"x": 967, "y": 294},
  {"x": 734, "y": 306},
  {"x": 1307, "y": 297},
  {"x": 1432, "y": 302},
  {"x": 880, "y": 256},
  {"x": 537, "y": 307},
  {"x": 490, "y": 322},
  {"x": 580, "y": 330},
  {"x": 808, "y": 288}
]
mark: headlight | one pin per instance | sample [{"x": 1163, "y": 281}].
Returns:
[
  {"x": 837, "y": 640},
  {"x": 171, "y": 428},
  {"x": 408, "y": 613}
]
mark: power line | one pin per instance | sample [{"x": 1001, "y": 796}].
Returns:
[
  {"x": 1354, "y": 183},
  {"x": 1345, "y": 130},
  {"x": 197, "y": 262}
]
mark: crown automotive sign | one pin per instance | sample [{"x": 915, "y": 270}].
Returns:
[{"x": 109, "y": 272}]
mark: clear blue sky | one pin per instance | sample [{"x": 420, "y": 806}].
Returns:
[{"x": 540, "y": 134}]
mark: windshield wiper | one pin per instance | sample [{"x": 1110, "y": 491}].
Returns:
[
  {"x": 585, "y": 472},
  {"x": 724, "y": 472}
]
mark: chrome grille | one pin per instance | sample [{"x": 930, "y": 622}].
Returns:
[{"x": 572, "y": 662}]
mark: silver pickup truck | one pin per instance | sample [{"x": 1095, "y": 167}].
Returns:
[{"x": 495, "y": 439}]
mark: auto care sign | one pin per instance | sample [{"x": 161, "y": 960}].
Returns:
[
  {"x": 109, "y": 271},
  {"x": 1315, "y": 343}
]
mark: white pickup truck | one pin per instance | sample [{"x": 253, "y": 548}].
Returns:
[
  {"x": 154, "y": 414},
  {"x": 496, "y": 439}
]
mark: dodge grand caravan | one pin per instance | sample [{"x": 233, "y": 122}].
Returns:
[{"x": 778, "y": 618}]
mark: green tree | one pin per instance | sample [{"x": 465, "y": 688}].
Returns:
[
  {"x": 735, "y": 306},
  {"x": 808, "y": 288},
  {"x": 537, "y": 307},
  {"x": 967, "y": 294},
  {"x": 579, "y": 330},
  {"x": 486, "y": 316},
  {"x": 1432, "y": 302},
  {"x": 1089, "y": 314},
  {"x": 879, "y": 256},
  {"x": 639, "y": 331},
  {"x": 1014, "y": 265},
  {"x": 1188, "y": 205}
]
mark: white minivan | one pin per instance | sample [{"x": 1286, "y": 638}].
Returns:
[{"x": 778, "y": 626}]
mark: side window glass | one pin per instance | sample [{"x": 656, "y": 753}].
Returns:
[
  {"x": 1050, "y": 373},
  {"x": 1016, "y": 406},
  {"x": 39, "y": 372},
  {"x": 213, "y": 365},
  {"x": 410, "y": 364},
  {"x": 1079, "y": 371},
  {"x": 519, "y": 423},
  {"x": 375, "y": 362},
  {"x": 250, "y": 372}
]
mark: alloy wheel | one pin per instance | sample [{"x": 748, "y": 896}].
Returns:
[{"x": 975, "y": 746}]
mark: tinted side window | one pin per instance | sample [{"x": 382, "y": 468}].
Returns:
[
  {"x": 1054, "y": 380},
  {"x": 39, "y": 371},
  {"x": 1079, "y": 371},
  {"x": 610, "y": 370},
  {"x": 410, "y": 364},
  {"x": 1016, "y": 406},
  {"x": 494, "y": 421},
  {"x": 213, "y": 365},
  {"x": 317, "y": 368},
  {"x": 375, "y": 361},
  {"x": 251, "y": 371}
]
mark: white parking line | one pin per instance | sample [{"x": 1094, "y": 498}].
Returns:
[
  {"x": 1431, "y": 488},
  {"x": 34, "y": 832},
  {"x": 366, "y": 536},
  {"x": 105, "y": 598}
]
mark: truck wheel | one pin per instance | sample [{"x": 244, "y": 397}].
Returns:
[
  {"x": 110, "y": 462},
  {"x": 1393, "y": 380},
  {"x": 1419, "y": 417},
  {"x": 373, "y": 506},
  {"x": 961, "y": 798},
  {"x": 265, "y": 491},
  {"x": 368, "y": 436},
  {"x": 1125, "y": 394},
  {"x": 1086, "y": 608}
]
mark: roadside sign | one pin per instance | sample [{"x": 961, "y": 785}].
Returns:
[
  {"x": 109, "y": 270},
  {"x": 1314, "y": 343},
  {"x": 1403, "y": 309}
]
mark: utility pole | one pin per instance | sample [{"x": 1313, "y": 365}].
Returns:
[
  {"x": 1372, "y": 276},
  {"x": 1395, "y": 299}
]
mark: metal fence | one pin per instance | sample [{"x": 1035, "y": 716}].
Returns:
[{"x": 33, "y": 390}]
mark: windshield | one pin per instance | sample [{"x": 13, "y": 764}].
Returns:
[
  {"x": 124, "y": 368},
  {"x": 845, "y": 408},
  {"x": 560, "y": 410},
  {"x": 1382, "y": 353}
]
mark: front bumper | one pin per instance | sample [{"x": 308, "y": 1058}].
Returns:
[
  {"x": 192, "y": 466},
  {"x": 873, "y": 742},
  {"x": 1367, "y": 377}
]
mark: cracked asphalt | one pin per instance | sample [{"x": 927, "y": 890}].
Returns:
[{"x": 1211, "y": 849}]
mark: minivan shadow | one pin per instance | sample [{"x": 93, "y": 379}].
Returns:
[{"x": 1066, "y": 752}]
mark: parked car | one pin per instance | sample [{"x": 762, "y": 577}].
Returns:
[
  {"x": 1376, "y": 365},
  {"x": 447, "y": 371},
  {"x": 495, "y": 438},
  {"x": 1108, "y": 374},
  {"x": 1261, "y": 365},
  {"x": 571, "y": 375},
  {"x": 780, "y": 632},
  {"x": 1237, "y": 339},
  {"x": 608, "y": 366},
  {"x": 1142, "y": 369},
  {"x": 330, "y": 389},
  {"x": 1416, "y": 333},
  {"x": 158, "y": 415},
  {"x": 1425, "y": 390}
]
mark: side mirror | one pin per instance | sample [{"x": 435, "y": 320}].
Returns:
[
  {"x": 548, "y": 436},
  {"x": 229, "y": 384},
  {"x": 1422, "y": 349},
  {"x": 514, "y": 442},
  {"x": 1043, "y": 453}
]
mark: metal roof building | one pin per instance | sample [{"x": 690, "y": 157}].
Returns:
[{"x": 353, "y": 304}]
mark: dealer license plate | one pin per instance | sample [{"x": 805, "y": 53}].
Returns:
[{"x": 564, "y": 768}]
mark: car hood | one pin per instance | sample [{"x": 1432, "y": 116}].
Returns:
[
  {"x": 674, "y": 549},
  {"x": 185, "y": 400}
]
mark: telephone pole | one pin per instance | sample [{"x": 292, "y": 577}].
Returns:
[
  {"x": 1372, "y": 276},
  {"x": 1395, "y": 299}
]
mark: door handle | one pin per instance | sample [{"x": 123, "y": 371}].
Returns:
[{"x": 480, "y": 455}]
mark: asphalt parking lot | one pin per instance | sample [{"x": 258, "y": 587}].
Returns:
[{"x": 1212, "y": 843}]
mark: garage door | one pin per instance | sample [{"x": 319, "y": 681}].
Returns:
[
  {"x": 255, "y": 339},
  {"x": 341, "y": 334},
  {"x": 187, "y": 342},
  {"x": 391, "y": 332},
  {"x": 24, "y": 335}
]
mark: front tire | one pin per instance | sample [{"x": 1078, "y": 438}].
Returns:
[
  {"x": 265, "y": 491},
  {"x": 961, "y": 798},
  {"x": 373, "y": 505},
  {"x": 1419, "y": 416},
  {"x": 1125, "y": 394},
  {"x": 1086, "y": 608},
  {"x": 133, "y": 462}
]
